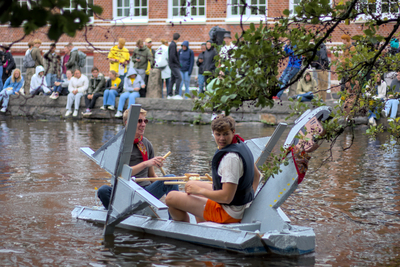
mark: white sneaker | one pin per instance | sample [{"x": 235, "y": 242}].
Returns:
[
  {"x": 177, "y": 97},
  {"x": 69, "y": 112},
  {"x": 384, "y": 114},
  {"x": 52, "y": 96},
  {"x": 390, "y": 119},
  {"x": 372, "y": 121},
  {"x": 118, "y": 114},
  {"x": 111, "y": 107},
  {"x": 103, "y": 108},
  {"x": 75, "y": 113},
  {"x": 3, "y": 110},
  {"x": 170, "y": 97}
]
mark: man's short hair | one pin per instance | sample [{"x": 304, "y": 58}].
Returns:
[
  {"x": 30, "y": 44},
  {"x": 69, "y": 45},
  {"x": 94, "y": 68},
  {"x": 77, "y": 69},
  {"x": 223, "y": 123},
  {"x": 121, "y": 41},
  {"x": 164, "y": 42},
  {"x": 139, "y": 42},
  {"x": 346, "y": 37},
  {"x": 126, "y": 112},
  {"x": 176, "y": 36},
  {"x": 203, "y": 44},
  {"x": 37, "y": 41}
]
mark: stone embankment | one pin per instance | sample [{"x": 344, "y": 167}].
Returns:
[{"x": 42, "y": 107}]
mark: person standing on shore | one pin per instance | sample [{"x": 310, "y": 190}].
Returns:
[
  {"x": 186, "y": 59},
  {"x": 119, "y": 58},
  {"x": 174, "y": 65}
]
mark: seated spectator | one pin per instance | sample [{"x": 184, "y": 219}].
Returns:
[
  {"x": 95, "y": 90},
  {"x": 380, "y": 95},
  {"x": 352, "y": 87},
  {"x": 113, "y": 88},
  {"x": 132, "y": 85},
  {"x": 305, "y": 87},
  {"x": 61, "y": 86},
  {"x": 392, "y": 104},
  {"x": 38, "y": 83},
  {"x": 11, "y": 87},
  {"x": 77, "y": 88}
]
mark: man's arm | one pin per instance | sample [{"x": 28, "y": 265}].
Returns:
[
  {"x": 256, "y": 180},
  {"x": 156, "y": 161}
]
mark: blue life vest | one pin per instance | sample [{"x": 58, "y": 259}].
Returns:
[{"x": 244, "y": 193}]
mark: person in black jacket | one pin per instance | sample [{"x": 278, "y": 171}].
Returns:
[
  {"x": 208, "y": 58},
  {"x": 200, "y": 77},
  {"x": 8, "y": 63},
  {"x": 95, "y": 90},
  {"x": 174, "y": 65}
]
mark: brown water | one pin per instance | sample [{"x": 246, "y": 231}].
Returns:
[{"x": 353, "y": 202}]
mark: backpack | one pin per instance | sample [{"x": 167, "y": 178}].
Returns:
[
  {"x": 28, "y": 61},
  {"x": 81, "y": 59}
]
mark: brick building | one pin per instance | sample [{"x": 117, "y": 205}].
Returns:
[{"x": 159, "y": 19}]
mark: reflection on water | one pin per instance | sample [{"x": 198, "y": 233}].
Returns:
[{"x": 351, "y": 202}]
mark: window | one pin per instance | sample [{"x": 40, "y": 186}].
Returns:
[
  {"x": 187, "y": 11},
  {"x": 384, "y": 8},
  {"x": 29, "y": 3},
  {"x": 73, "y": 5},
  {"x": 292, "y": 5},
  {"x": 188, "y": 8},
  {"x": 19, "y": 64},
  {"x": 87, "y": 69},
  {"x": 131, "y": 8},
  {"x": 247, "y": 10}
]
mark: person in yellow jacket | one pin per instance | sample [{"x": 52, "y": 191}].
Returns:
[{"x": 119, "y": 58}]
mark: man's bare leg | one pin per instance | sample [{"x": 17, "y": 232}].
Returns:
[{"x": 179, "y": 203}]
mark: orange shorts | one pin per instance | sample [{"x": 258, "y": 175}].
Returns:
[{"x": 214, "y": 212}]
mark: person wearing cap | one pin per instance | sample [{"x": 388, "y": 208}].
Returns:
[
  {"x": 149, "y": 44},
  {"x": 119, "y": 58},
  {"x": 142, "y": 161},
  {"x": 174, "y": 65},
  {"x": 227, "y": 50},
  {"x": 141, "y": 57}
]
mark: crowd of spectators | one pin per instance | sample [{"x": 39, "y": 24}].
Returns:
[{"x": 55, "y": 75}]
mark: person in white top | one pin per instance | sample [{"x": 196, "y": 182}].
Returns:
[
  {"x": 77, "y": 88},
  {"x": 235, "y": 179},
  {"x": 380, "y": 90}
]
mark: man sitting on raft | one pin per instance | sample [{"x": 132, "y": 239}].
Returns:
[
  {"x": 235, "y": 179},
  {"x": 142, "y": 162}
]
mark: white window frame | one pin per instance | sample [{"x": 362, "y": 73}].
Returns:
[
  {"x": 247, "y": 17},
  {"x": 70, "y": 8},
  {"x": 28, "y": 3},
  {"x": 130, "y": 19},
  {"x": 189, "y": 19},
  {"x": 378, "y": 6},
  {"x": 292, "y": 6}
]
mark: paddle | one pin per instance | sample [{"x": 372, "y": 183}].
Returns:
[{"x": 161, "y": 168}]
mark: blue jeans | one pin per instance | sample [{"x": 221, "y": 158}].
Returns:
[
  {"x": 201, "y": 81},
  {"x": 162, "y": 86},
  {"x": 109, "y": 97},
  {"x": 157, "y": 189},
  {"x": 4, "y": 95},
  {"x": 285, "y": 78},
  {"x": 392, "y": 105},
  {"x": 1, "y": 79},
  {"x": 307, "y": 97},
  {"x": 50, "y": 79},
  {"x": 124, "y": 96},
  {"x": 186, "y": 81}
]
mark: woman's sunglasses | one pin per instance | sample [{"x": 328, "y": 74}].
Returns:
[{"x": 145, "y": 121}]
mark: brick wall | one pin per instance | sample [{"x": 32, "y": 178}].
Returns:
[{"x": 103, "y": 34}]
